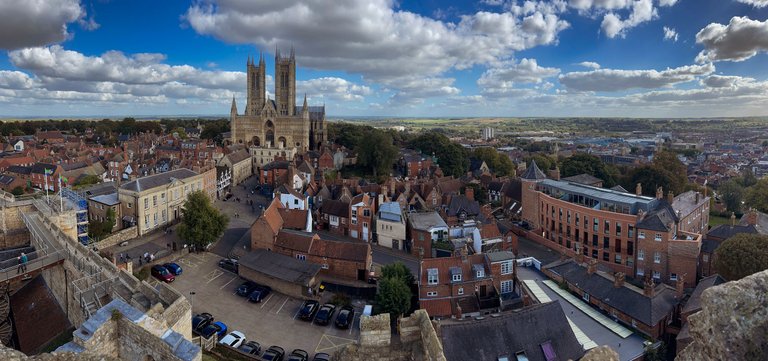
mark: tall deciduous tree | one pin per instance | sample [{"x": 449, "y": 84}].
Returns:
[
  {"x": 586, "y": 163},
  {"x": 397, "y": 270},
  {"x": 201, "y": 223},
  {"x": 451, "y": 157},
  {"x": 731, "y": 194},
  {"x": 742, "y": 255},
  {"x": 499, "y": 163},
  {"x": 393, "y": 297},
  {"x": 377, "y": 152},
  {"x": 757, "y": 195}
]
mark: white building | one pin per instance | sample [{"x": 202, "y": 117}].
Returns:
[{"x": 390, "y": 226}]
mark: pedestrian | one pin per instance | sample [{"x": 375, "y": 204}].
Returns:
[
  {"x": 18, "y": 270},
  {"x": 24, "y": 260}
]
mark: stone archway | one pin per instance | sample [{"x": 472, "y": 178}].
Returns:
[
  {"x": 256, "y": 142},
  {"x": 282, "y": 142},
  {"x": 269, "y": 132}
]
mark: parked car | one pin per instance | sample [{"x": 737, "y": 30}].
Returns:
[
  {"x": 273, "y": 353},
  {"x": 298, "y": 355},
  {"x": 251, "y": 348},
  {"x": 246, "y": 288},
  {"x": 234, "y": 339},
  {"x": 345, "y": 318},
  {"x": 162, "y": 274},
  {"x": 174, "y": 268},
  {"x": 200, "y": 321},
  {"x": 259, "y": 294},
  {"x": 321, "y": 357},
  {"x": 222, "y": 328},
  {"x": 308, "y": 310},
  {"x": 325, "y": 314},
  {"x": 229, "y": 264},
  {"x": 210, "y": 330}
]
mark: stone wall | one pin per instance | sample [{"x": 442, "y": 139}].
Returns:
[
  {"x": 15, "y": 233},
  {"x": 375, "y": 331},
  {"x": 119, "y": 237}
]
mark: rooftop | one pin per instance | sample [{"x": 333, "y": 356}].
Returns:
[
  {"x": 595, "y": 197},
  {"x": 390, "y": 211},
  {"x": 110, "y": 199},
  {"x": 279, "y": 266},
  {"x": 426, "y": 220},
  {"x": 157, "y": 180}
]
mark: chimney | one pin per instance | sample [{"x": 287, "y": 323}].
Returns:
[
  {"x": 618, "y": 279},
  {"x": 649, "y": 289},
  {"x": 385, "y": 190},
  {"x": 698, "y": 196},
  {"x": 659, "y": 193},
  {"x": 469, "y": 192},
  {"x": 733, "y": 219},
  {"x": 579, "y": 258},
  {"x": 591, "y": 266},
  {"x": 463, "y": 252},
  {"x": 670, "y": 197},
  {"x": 639, "y": 189},
  {"x": 680, "y": 286},
  {"x": 458, "y": 312}
]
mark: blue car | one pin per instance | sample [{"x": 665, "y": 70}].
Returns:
[{"x": 174, "y": 268}]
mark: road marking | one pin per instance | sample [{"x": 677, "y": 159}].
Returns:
[
  {"x": 334, "y": 341},
  {"x": 267, "y": 300},
  {"x": 213, "y": 275},
  {"x": 230, "y": 281},
  {"x": 281, "y": 307}
]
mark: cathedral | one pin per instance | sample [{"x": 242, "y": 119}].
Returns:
[{"x": 277, "y": 123}]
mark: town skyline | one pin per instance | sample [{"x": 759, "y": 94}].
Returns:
[{"x": 639, "y": 59}]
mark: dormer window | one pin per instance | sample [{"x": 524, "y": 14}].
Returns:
[
  {"x": 432, "y": 276},
  {"x": 457, "y": 277}
]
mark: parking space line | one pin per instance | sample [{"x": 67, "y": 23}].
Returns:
[
  {"x": 281, "y": 307},
  {"x": 267, "y": 300},
  {"x": 230, "y": 281},
  {"x": 213, "y": 275}
]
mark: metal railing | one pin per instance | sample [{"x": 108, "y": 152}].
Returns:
[{"x": 15, "y": 271}]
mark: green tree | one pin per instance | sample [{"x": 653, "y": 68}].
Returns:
[
  {"x": 451, "y": 157},
  {"x": 747, "y": 178},
  {"x": 499, "y": 163},
  {"x": 742, "y": 255},
  {"x": 397, "y": 270},
  {"x": 731, "y": 194},
  {"x": 180, "y": 132},
  {"x": 377, "y": 152},
  {"x": 757, "y": 195},
  {"x": 667, "y": 162},
  {"x": 201, "y": 223},
  {"x": 544, "y": 162},
  {"x": 581, "y": 163},
  {"x": 393, "y": 297}
]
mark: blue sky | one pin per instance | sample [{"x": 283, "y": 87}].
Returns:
[{"x": 636, "y": 58}]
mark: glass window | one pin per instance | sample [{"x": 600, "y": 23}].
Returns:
[
  {"x": 618, "y": 229},
  {"x": 432, "y": 276},
  {"x": 606, "y": 242},
  {"x": 657, "y": 237},
  {"x": 457, "y": 277},
  {"x": 656, "y": 257},
  {"x": 617, "y": 259},
  {"x": 640, "y": 255},
  {"x": 607, "y": 227},
  {"x": 506, "y": 267},
  {"x": 641, "y": 235},
  {"x": 595, "y": 223}
]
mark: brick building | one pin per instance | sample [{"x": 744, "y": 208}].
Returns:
[
  {"x": 362, "y": 210},
  {"x": 423, "y": 230},
  {"x": 338, "y": 259},
  {"x": 334, "y": 216}
]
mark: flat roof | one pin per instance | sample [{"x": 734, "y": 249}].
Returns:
[
  {"x": 600, "y": 194},
  {"x": 280, "y": 266}
]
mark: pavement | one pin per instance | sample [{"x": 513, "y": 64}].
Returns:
[
  {"x": 271, "y": 322},
  {"x": 628, "y": 348}
]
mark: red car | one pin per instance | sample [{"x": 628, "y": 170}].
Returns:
[{"x": 162, "y": 274}]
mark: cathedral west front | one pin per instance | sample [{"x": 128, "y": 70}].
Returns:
[{"x": 278, "y": 123}]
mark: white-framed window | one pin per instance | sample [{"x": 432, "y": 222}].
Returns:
[
  {"x": 656, "y": 275},
  {"x": 461, "y": 291},
  {"x": 641, "y": 234},
  {"x": 585, "y": 297},
  {"x": 146, "y": 220},
  {"x": 657, "y": 237},
  {"x": 164, "y": 214},
  {"x": 146, "y": 203},
  {"x": 480, "y": 273},
  {"x": 640, "y": 255},
  {"x": 154, "y": 200},
  {"x": 456, "y": 277},
  {"x": 506, "y": 286},
  {"x": 334, "y": 220},
  {"x": 673, "y": 277},
  {"x": 301, "y": 257},
  {"x": 431, "y": 293},
  {"x": 506, "y": 267},
  {"x": 640, "y": 272},
  {"x": 656, "y": 257},
  {"x": 324, "y": 266},
  {"x": 432, "y": 278},
  {"x": 155, "y": 217}
]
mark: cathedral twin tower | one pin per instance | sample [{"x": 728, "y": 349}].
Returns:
[{"x": 277, "y": 123}]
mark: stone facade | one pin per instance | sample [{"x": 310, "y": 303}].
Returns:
[{"x": 119, "y": 237}]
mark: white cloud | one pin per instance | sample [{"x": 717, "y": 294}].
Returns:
[
  {"x": 642, "y": 11},
  {"x": 720, "y": 81},
  {"x": 755, "y": 3},
  {"x": 589, "y": 64},
  {"x": 25, "y": 23},
  {"x": 740, "y": 40},
  {"x": 500, "y": 81},
  {"x": 15, "y": 80},
  {"x": 670, "y": 34},
  {"x": 611, "y": 80},
  {"x": 333, "y": 88}
]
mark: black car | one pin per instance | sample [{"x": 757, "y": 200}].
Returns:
[
  {"x": 345, "y": 318},
  {"x": 259, "y": 294},
  {"x": 325, "y": 314},
  {"x": 321, "y": 357},
  {"x": 250, "y": 347},
  {"x": 229, "y": 265},
  {"x": 298, "y": 355},
  {"x": 201, "y": 321},
  {"x": 210, "y": 330},
  {"x": 273, "y": 353},
  {"x": 246, "y": 288},
  {"x": 308, "y": 310}
]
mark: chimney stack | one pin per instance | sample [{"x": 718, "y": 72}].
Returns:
[
  {"x": 458, "y": 312},
  {"x": 670, "y": 197},
  {"x": 579, "y": 258},
  {"x": 639, "y": 189},
  {"x": 680, "y": 286},
  {"x": 618, "y": 279},
  {"x": 469, "y": 192},
  {"x": 649, "y": 289},
  {"x": 659, "y": 193},
  {"x": 698, "y": 197},
  {"x": 733, "y": 219},
  {"x": 591, "y": 266}
]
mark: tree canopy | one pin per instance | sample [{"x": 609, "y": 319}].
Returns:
[
  {"x": 201, "y": 223},
  {"x": 97, "y": 229},
  {"x": 731, "y": 193},
  {"x": 666, "y": 171},
  {"x": 451, "y": 157},
  {"x": 499, "y": 163},
  {"x": 581, "y": 163},
  {"x": 757, "y": 195},
  {"x": 742, "y": 255},
  {"x": 377, "y": 152},
  {"x": 394, "y": 294}
]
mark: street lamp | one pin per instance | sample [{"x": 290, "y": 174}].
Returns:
[{"x": 192, "y": 299}]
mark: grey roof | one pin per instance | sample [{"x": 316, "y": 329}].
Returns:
[
  {"x": 390, "y": 211},
  {"x": 709, "y": 245},
  {"x": 110, "y": 199},
  {"x": 762, "y": 221},
  {"x": 533, "y": 172},
  {"x": 619, "y": 188},
  {"x": 694, "y": 302},
  {"x": 583, "y": 178},
  {"x": 525, "y": 330},
  {"x": 335, "y": 208},
  {"x": 661, "y": 218},
  {"x": 277, "y": 164},
  {"x": 157, "y": 180},
  {"x": 19, "y": 169},
  {"x": 280, "y": 266},
  {"x": 461, "y": 203},
  {"x": 725, "y": 231},
  {"x": 238, "y": 156},
  {"x": 685, "y": 203},
  {"x": 627, "y": 299},
  {"x": 499, "y": 256},
  {"x": 564, "y": 190},
  {"x": 39, "y": 167},
  {"x": 426, "y": 220},
  {"x": 98, "y": 189}
]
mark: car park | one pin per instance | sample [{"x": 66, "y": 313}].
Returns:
[
  {"x": 210, "y": 330},
  {"x": 298, "y": 355},
  {"x": 322, "y": 356},
  {"x": 250, "y": 347},
  {"x": 233, "y": 339},
  {"x": 308, "y": 310},
  {"x": 162, "y": 274},
  {"x": 325, "y": 314},
  {"x": 273, "y": 353},
  {"x": 259, "y": 294},
  {"x": 200, "y": 321},
  {"x": 229, "y": 265},
  {"x": 245, "y": 289},
  {"x": 222, "y": 328},
  {"x": 345, "y": 318},
  {"x": 174, "y": 268}
]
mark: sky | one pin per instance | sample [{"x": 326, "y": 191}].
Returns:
[{"x": 410, "y": 58}]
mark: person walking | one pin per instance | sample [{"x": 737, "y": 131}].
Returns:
[
  {"x": 24, "y": 260},
  {"x": 18, "y": 269}
]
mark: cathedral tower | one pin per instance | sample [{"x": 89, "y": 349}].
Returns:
[
  {"x": 257, "y": 90},
  {"x": 285, "y": 84}
]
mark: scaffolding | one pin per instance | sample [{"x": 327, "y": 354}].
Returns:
[{"x": 80, "y": 206}]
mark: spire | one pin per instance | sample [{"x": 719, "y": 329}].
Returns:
[
  {"x": 533, "y": 172},
  {"x": 233, "y": 110},
  {"x": 277, "y": 52},
  {"x": 306, "y": 108},
  {"x": 261, "y": 58},
  {"x": 293, "y": 53}
]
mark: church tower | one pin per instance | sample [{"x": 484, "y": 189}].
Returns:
[
  {"x": 257, "y": 90},
  {"x": 285, "y": 84}
]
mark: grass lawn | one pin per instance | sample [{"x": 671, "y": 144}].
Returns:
[{"x": 716, "y": 220}]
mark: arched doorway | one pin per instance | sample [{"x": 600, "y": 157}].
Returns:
[
  {"x": 281, "y": 142},
  {"x": 256, "y": 142},
  {"x": 269, "y": 133}
]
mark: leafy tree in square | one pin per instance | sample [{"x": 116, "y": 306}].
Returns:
[{"x": 201, "y": 223}]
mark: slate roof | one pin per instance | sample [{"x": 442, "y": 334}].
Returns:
[
  {"x": 619, "y": 188},
  {"x": 238, "y": 156},
  {"x": 39, "y": 168},
  {"x": 157, "y": 180},
  {"x": 685, "y": 203},
  {"x": 277, "y": 164},
  {"x": 694, "y": 302},
  {"x": 110, "y": 199},
  {"x": 725, "y": 231},
  {"x": 709, "y": 245},
  {"x": 426, "y": 220},
  {"x": 6, "y": 179},
  {"x": 583, "y": 178},
  {"x": 335, "y": 208},
  {"x": 762, "y": 221},
  {"x": 18, "y": 169},
  {"x": 627, "y": 299},
  {"x": 525, "y": 330},
  {"x": 659, "y": 218},
  {"x": 461, "y": 202},
  {"x": 533, "y": 172},
  {"x": 499, "y": 256},
  {"x": 278, "y": 266}
]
